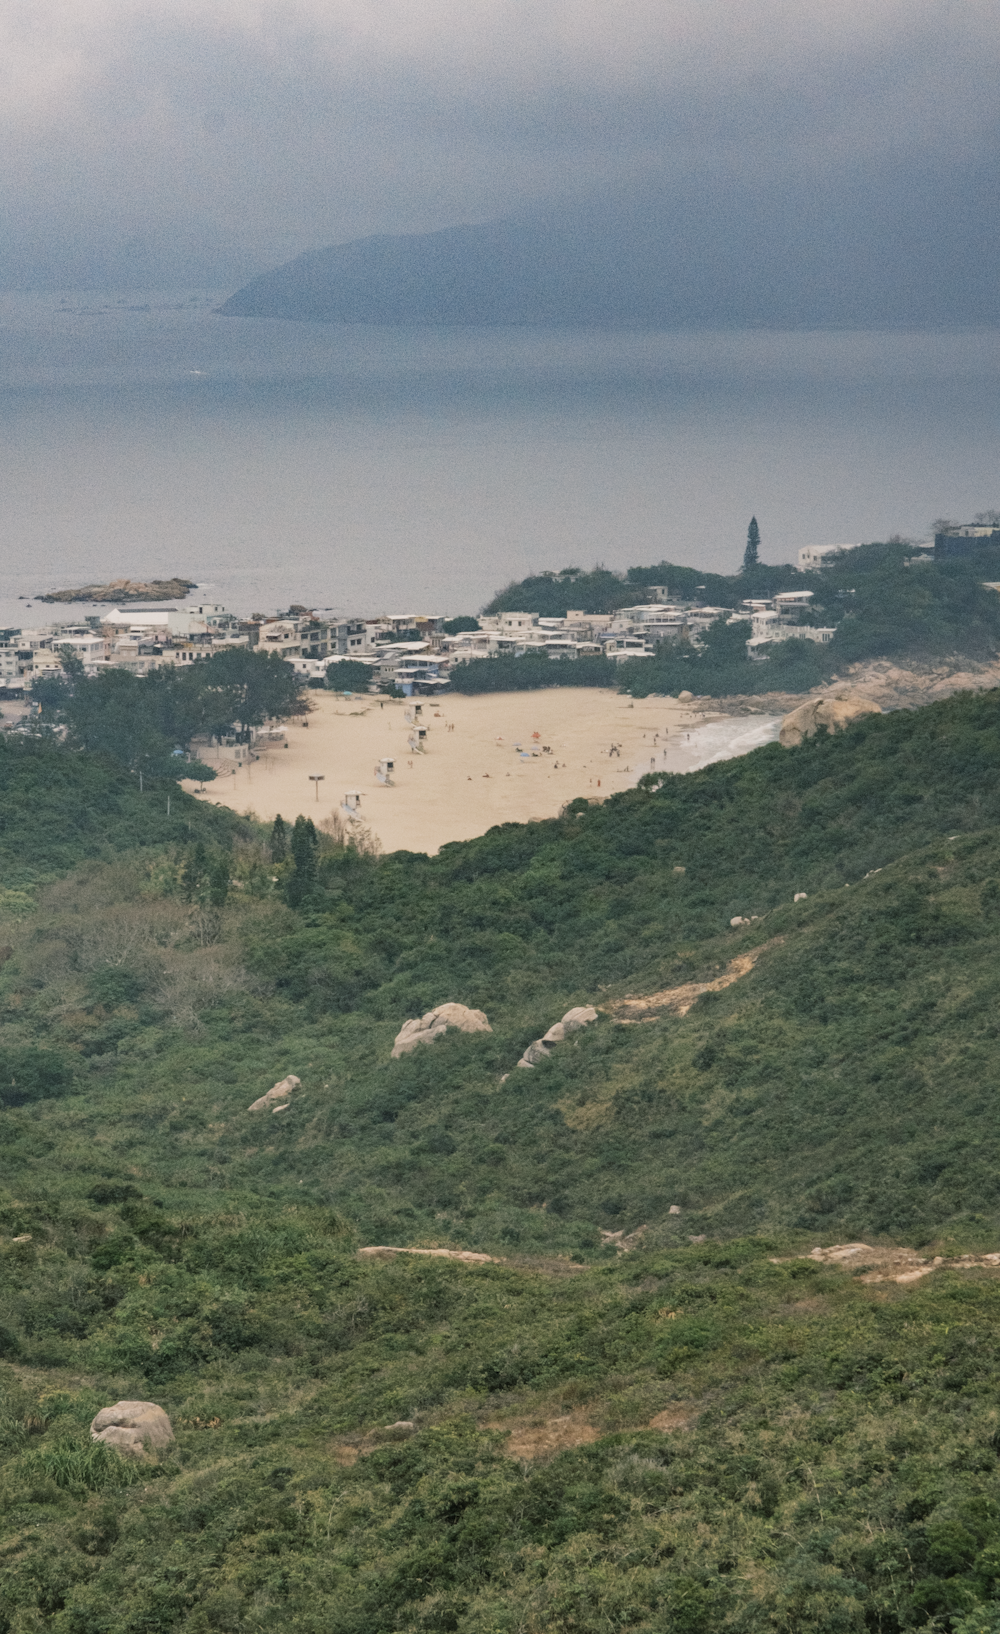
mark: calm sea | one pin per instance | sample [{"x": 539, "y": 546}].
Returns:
[{"x": 419, "y": 470}]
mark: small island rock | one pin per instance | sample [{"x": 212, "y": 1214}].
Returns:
[{"x": 121, "y": 591}]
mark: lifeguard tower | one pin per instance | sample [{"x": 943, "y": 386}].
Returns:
[
  {"x": 383, "y": 772},
  {"x": 413, "y": 713},
  {"x": 351, "y": 805},
  {"x": 417, "y": 740}
]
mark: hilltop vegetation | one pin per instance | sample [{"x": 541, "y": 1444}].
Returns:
[
  {"x": 880, "y": 608},
  {"x": 146, "y": 723},
  {"x": 832, "y": 1460},
  {"x": 59, "y": 809}
]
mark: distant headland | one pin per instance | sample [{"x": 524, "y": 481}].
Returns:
[{"x": 124, "y": 590}]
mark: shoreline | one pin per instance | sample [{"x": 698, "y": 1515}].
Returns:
[{"x": 490, "y": 758}]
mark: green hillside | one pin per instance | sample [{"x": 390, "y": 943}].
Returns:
[
  {"x": 57, "y": 809},
  {"x": 878, "y": 605},
  {"x": 828, "y": 1458}
]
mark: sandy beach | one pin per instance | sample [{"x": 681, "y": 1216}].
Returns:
[{"x": 495, "y": 758}]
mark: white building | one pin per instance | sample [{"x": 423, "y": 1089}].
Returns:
[
  {"x": 778, "y": 620},
  {"x": 620, "y": 648},
  {"x": 803, "y": 632},
  {"x": 812, "y": 557}
]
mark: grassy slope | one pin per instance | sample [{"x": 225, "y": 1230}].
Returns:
[{"x": 840, "y": 1471}]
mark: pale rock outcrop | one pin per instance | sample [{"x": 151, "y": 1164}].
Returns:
[
  {"x": 835, "y": 713},
  {"x": 132, "y": 1427},
  {"x": 580, "y": 1016},
  {"x": 533, "y": 1054},
  {"x": 426, "y": 1028},
  {"x": 434, "y": 1253},
  {"x": 278, "y": 1092}
]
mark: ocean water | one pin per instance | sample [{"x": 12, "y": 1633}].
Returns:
[
  {"x": 724, "y": 739},
  {"x": 393, "y": 470}
]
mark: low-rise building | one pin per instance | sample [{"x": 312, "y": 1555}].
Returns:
[
  {"x": 965, "y": 539},
  {"x": 281, "y": 636},
  {"x": 622, "y": 647},
  {"x": 812, "y": 557},
  {"x": 821, "y": 634},
  {"x": 780, "y": 619}
]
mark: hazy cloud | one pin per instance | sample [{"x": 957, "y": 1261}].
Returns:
[{"x": 209, "y": 140}]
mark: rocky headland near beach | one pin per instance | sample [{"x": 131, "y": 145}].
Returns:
[{"x": 891, "y": 686}]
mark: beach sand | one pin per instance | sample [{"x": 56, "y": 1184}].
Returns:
[{"x": 473, "y": 775}]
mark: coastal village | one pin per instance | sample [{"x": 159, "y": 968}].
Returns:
[
  {"x": 412, "y": 652},
  {"x": 384, "y": 743}
]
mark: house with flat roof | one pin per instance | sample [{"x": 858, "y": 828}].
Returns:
[
  {"x": 812, "y": 557},
  {"x": 965, "y": 539}
]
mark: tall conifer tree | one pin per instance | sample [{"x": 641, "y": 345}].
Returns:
[{"x": 751, "y": 556}]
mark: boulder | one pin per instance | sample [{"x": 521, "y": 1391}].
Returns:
[
  {"x": 278, "y": 1092},
  {"x": 835, "y": 714},
  {"x": 400, "y": 1431},
  {"x": 426, "y": 1028},
  {"x": 580, "y": 1016},
  {"x": 132, "y": 1427},
  {"x": 533, "y": 1054}
]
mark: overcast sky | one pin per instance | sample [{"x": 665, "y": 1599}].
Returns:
[{"x": 204, "y": 142}]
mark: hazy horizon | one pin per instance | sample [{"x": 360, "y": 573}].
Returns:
[
  {"x": 163, "y": 145},
  {"x": 800, "y": 164},
  {"x": 386, "y": 469}
]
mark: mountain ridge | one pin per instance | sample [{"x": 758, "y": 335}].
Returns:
[{"x": 785, "y": 261}]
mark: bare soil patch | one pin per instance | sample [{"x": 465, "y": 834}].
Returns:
[
  {"x": 891, "y": 1264},
  {"x": 678, "y": 1000}
]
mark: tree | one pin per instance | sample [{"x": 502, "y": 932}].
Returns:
[
  {"x": 350, "y": 676},
  {"x": 51, "y": 693},
  {"x": 109, "y": 715},
  {"x": 304, "y": 846},
  {"x": 218, "y": 881},
  {"x": 71, "y": 662},
  {"x": 240, "y": 688},
  {"x": 751, "y": 556},
  {"x": 279, "y": 839}
]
